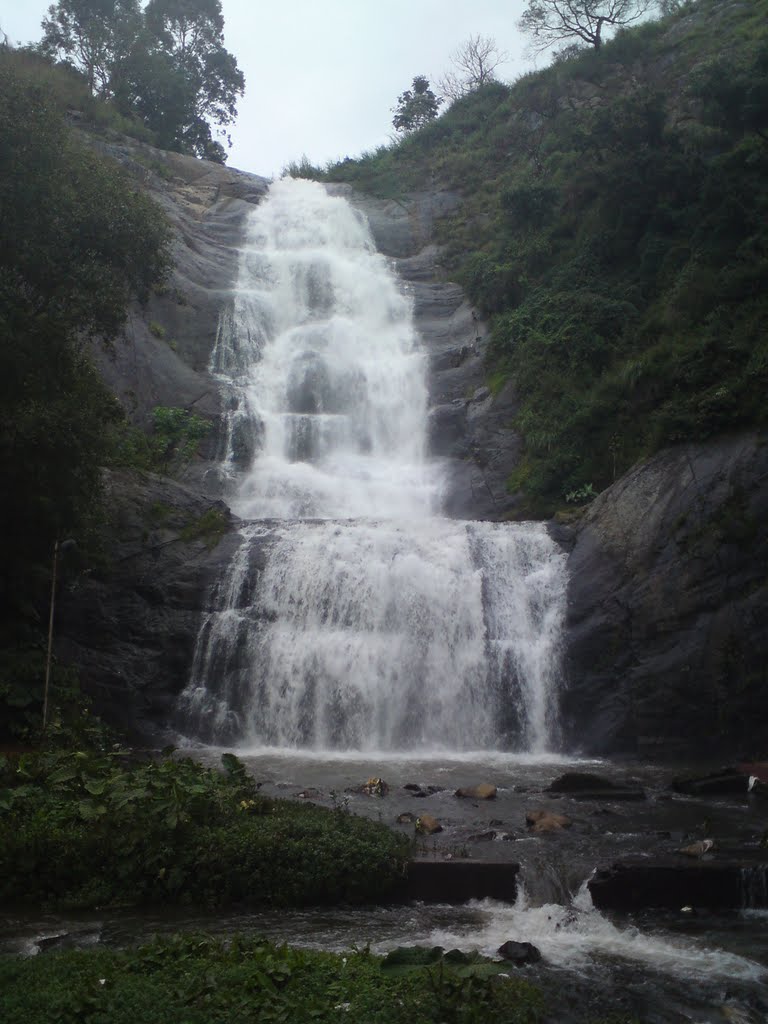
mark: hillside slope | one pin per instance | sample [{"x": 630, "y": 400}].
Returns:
[{"x": 614, "y": 229}]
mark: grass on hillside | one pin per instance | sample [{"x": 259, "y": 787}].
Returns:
[{"x": 614, "y": 228}]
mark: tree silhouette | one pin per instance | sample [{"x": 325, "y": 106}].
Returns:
[{"x": 416, "y": 106}]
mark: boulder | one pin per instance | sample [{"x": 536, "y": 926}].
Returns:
[
  {"x": 519, "y": 953},
  {"x": 485, "y": 791},
  {"x": 406, "y": 818},
  {"x": 545, "y": 821},
  {"x": 427, "y": 825},
  {"x": 697, "y": 849},
  {"x": 727, "y": 782},
  {"x": 667, "y": 627},
  {"x": 375, "y": 787},
  {"x": 575, "y": 782}
]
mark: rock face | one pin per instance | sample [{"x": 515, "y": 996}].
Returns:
[
  {"x": 469, "y": 427},
  {"x": 130, "y": 624},
  {"x": 668, "y": 607},
  {"x": 163, "y": 359}
]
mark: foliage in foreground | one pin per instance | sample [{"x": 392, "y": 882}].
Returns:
[
  {"x": 198, "y": 980},
  {"x": 90, "y": 829}
]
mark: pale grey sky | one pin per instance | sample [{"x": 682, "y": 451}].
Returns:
[{"x": 321, "y": 77}]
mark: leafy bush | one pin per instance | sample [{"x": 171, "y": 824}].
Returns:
[
  {"x": 199, "y": 979},
  {"x": 89, "y": 829}
]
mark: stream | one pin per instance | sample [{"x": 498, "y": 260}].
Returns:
[{"x": 665, "y": 967}]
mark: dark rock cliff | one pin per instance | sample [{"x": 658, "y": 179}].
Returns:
[{"x": 668, "y": 607}]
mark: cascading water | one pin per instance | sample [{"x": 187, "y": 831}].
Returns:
[{"x": 354, "y": 617}]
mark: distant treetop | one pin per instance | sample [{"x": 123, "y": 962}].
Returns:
[{"x": 416, "y": 106}]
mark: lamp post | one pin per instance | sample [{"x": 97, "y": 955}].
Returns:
[{"x": 64, "y": 546}]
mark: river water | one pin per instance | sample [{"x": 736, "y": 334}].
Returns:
[{"x": 664, "y": 967}]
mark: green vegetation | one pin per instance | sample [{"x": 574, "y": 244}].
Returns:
[
  {"x": 415, "y": 107},
  {"x": 172, "y": 443},
  {"x": 614, "y": 228},
  {"x": 94, "y": 828},
  {"x": 77, "y": 242},
  {"x": 164, "y": 64},
  {"x": 198, "y": 980},
  {"x": 210, "y": 528}
]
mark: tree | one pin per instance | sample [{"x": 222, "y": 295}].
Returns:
[
  {"x": 415, "y": 107},
  {"x": 94, "y": 36},
  {"x": 77, "y": 241},
  {"x": 475, "y": 62},
  {"x": 188, "y": 36},
  {"x": 166, "y": 64},
  {"x": 555, "y": 21}
]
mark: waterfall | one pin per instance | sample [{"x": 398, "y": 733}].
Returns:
[{"x": 353, "y": 616}]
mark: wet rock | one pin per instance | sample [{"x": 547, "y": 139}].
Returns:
[
  {"x": 427, "y": 825},
  {"x": 545, "y": 821},
  {"x": 374, "y": 787},
  {"x": 723, "y": 783},
  {"x": 458, "y": 956},
  {"x": 482, "y": 837},
  {"x": 697, "y": 849},
  {"x": 456, "y": 881},
  {"x": 586, "y": 786},
  {"x": 406, "y": 818},
  {"x": 574, "y": 782},
  {"x": 308, "y": 794},
  {"x": 667, "y": 603},
  {"x": 412, "y": 956},
  {"x": 421, "y": 791},
  {"x": 485, "y": 791},
  {"x": 668, "y": 884},
  {"x": 131, "y": 625},
  {"x": 519, "y": 953}
]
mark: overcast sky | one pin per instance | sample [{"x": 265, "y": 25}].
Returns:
[{"x": 322, "y": 75}]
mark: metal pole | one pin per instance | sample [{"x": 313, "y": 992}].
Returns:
[{"x": 50, "y": 632}]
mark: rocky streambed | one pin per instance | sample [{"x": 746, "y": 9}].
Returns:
[{"x": 580, "y": 859}]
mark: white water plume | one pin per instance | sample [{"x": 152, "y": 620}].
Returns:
[
  {"x": 576, "y": 936},
  {"x": 357, "y": 618}
]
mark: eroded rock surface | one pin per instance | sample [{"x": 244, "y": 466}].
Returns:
[
  {"x": 131, "y": 623},
  {"x": 469, "y": 427},
  {"x": 668, "y": 606}
]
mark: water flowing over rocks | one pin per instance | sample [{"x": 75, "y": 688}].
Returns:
[
  {"x": 205, "y": 204},
  {"x": 667, "y": 600},
  {"x": 376, "y": 624},
  {"x": 468, "y": 426}
]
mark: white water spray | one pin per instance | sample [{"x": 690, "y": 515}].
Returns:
[{"x": 357, "y": 618}]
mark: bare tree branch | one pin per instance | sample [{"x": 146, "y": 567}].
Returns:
[
  {"x": 553, "y": 21},
  {"x": 474, "y": 64}
]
